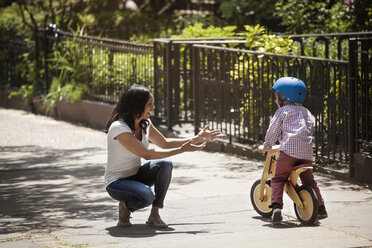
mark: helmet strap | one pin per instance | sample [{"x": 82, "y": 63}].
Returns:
[{"x": 281, "y": 99}]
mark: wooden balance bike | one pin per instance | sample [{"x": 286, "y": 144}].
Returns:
[{"x": 303, "y": 197}]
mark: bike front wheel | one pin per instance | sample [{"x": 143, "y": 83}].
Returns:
[
  {"x": 261, "y": 205},
  {"x": 309, "y": 212}
]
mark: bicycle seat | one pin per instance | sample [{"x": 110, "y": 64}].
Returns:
[{"x": 297, "y": 170}]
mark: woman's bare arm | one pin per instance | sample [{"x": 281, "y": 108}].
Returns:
[{"x": 132, "y": 144}]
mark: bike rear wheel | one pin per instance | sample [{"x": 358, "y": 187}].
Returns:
[
  {"x": 309, "y": 212},
  {"x": 261, "y": 205}
]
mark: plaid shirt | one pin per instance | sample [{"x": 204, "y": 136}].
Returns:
[{"x": 292, "y": 126}]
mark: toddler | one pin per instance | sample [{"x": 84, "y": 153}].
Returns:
[{"x": 292, "y": 125}]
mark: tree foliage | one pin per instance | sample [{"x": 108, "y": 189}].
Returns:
[
  {"x": 331, "y": 16},
  {"x": 248, "y": 12},
  {"x": 258, "y": 39},
  {"x": 150, "y": 19}
]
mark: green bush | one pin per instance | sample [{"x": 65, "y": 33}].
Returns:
[
  {"x": 30, "y": 73},
  {"x": 259, "y": 40},
  {"x": 198, "y": 31},
  {"x": 308, "y": 16},
  {"x": 69, "y": 66},
  {"x": 11, "y": 26}
]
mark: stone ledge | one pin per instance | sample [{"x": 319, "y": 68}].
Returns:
[{"x": 363, "y": 168}]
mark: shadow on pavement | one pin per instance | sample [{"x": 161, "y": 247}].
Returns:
[
  {"x": 40, "y": 187},
  {"x": 45, "y": 188},
  {"x": 282, "y": 225},
  {"x": 144, "y": 231}
]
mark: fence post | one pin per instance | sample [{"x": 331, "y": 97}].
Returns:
[
  {"x": 176, "y": 84},
  {"x": 195, "y": 82},
  {"x": 160, "y": 83},
  {"x": 156, "y": 76},
  {"x": 37, "y": 59},
  {"x": 46, "y": 51},
  {"x": 353, "y": 74},
  {"x": 49, "y": 32},
  {"x": 168, "y": 84}
]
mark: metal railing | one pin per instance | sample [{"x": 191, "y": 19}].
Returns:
[
  {"x": 232, "y": 92},
  {"x": 109, "y": 66},
  {"x": 173, "y": 66},
  {"x": 328, "y": 45},
  {"x": 328, "y": 80},
  {"x": 173, "y": 73}
]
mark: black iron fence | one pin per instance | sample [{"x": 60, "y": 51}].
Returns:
[
  {"x": 333, "y": 45},
  {"x": 106, "y": 66},
  {"x": 232, "y": 92},
  {"x": 173, "y": 74},
  {"x": 173, "y": 66},
  {"x": 235, "y": 94}
]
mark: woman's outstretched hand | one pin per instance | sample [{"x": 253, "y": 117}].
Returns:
[
  {"x": 189, "y": 147},
  {"x": 207, "y": 136}
]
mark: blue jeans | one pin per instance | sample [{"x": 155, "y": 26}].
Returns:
[{"x": 136, "y": 191}]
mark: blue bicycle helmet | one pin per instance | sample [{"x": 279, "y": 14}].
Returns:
[{"x": 293, "y": 89}]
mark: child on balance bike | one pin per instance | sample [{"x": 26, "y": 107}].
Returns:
[{"x": 292, "y": 125}]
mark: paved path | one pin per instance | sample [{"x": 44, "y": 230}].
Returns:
[{"x": 52, "y": 195}]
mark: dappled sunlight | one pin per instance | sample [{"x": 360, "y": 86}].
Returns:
[{"x": 42, "y": 187}]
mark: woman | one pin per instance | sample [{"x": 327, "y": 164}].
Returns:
[{"x": 129, "y": 131}]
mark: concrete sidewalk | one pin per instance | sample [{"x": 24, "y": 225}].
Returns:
[{"x": 52, "y": 195}]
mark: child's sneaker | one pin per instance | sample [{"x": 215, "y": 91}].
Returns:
[
  {"x": 277, "y": 213},
  {"x": 322, "y": 212}
]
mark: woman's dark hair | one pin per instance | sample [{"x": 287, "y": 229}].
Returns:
[{"x": 130, "y": 106}]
